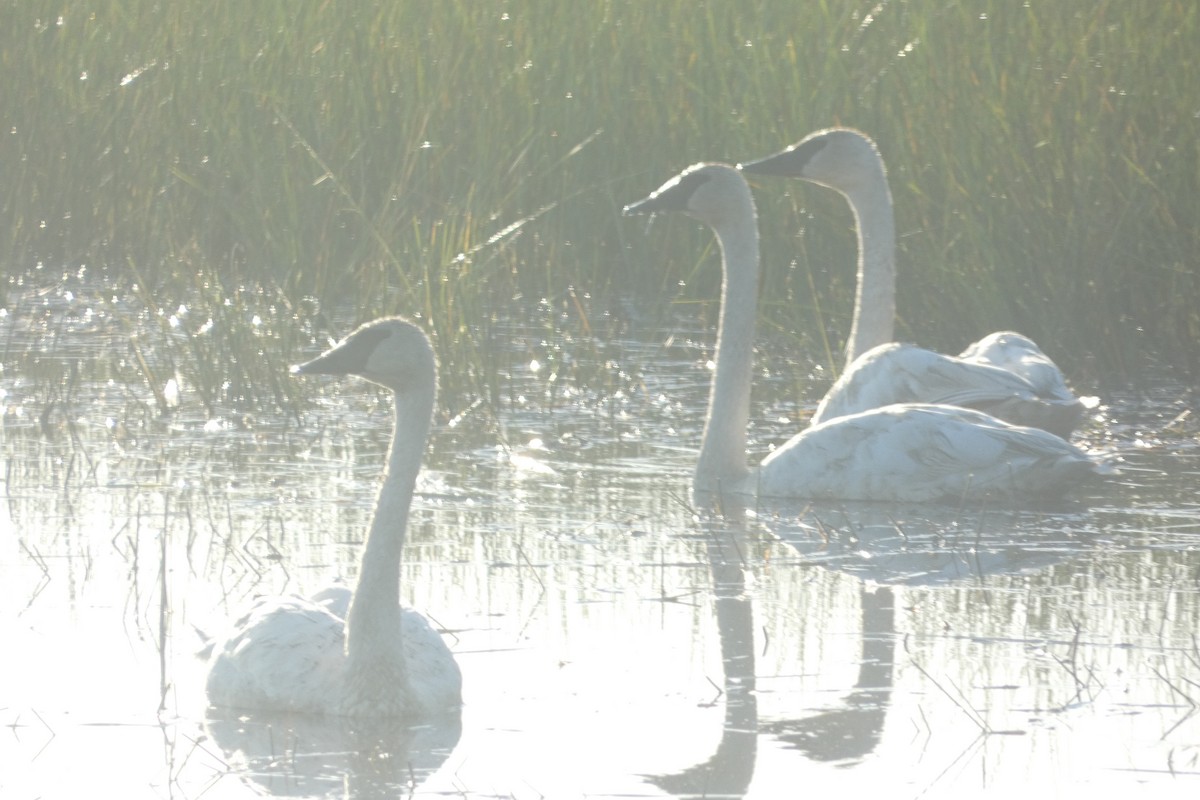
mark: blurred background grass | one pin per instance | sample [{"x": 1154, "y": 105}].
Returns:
[{"x": 455, "y": 160}]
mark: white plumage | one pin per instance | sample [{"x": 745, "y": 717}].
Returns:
[
  {"x": 1005, "y": 373},
  {"x": 1022, "y": 357},
  {"x": 901, "y": 452},
  {"x": 905, "y": 373},
  {"x": 356, "y": 654},
  {"x": 920, "y": 452}
]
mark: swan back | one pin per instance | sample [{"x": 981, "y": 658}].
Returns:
[
  {"x": 903, "y": 373},
  {"x": 283, "y": 654},
  {"x": 921, "y": 453},
  {"x": 288, "y": 654},
  {"x": 335, "y": 598}
]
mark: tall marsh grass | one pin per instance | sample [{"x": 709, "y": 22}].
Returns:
[{"x": 451, "y": 159}]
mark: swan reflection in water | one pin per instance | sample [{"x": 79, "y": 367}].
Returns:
[
  {"x": 302, "y": 755},
  {"x": 928, "y": 545},
  {"x": 887, "y": 548},
  {"x": 894, "y": 547},
  {"x": 846, "y": 733},
  {"x": 853, "y": 730},
  {"x": 727, "y": 773}
]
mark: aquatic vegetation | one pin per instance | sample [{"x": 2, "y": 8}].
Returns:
[{"x": 450, "y": 159}]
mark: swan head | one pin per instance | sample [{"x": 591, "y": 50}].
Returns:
[
  {"x": 709, "y": 192},
  {"x": 841, "y": 159},
  {"x": 391, "y": 352}
]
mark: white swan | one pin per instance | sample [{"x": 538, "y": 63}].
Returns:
[
  {"x": 902, "y": 452},
  {"x": 1005, "y": 374},
  {"x": 293, "y": 654}
]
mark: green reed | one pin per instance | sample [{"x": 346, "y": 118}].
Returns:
[{"x": 1044, "y": 163}]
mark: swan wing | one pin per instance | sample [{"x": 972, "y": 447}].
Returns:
[
  {"x": 898, "y": 373},
  {"x": 918, "y": 453},
  {"x": 1059, "y": 410},
  {"x": 289, "y": 654},
  {"x": 335, "y": 598},
  {"x": 285, "y": 653},
  {"x": 902, "y": 373},
  {"x": 433, "y": 674}
]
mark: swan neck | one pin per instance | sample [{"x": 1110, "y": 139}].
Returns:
[
  {"x": 723, "y": 452},
  {"x": 374, "y": 615},
  {"x": 875, "y": 298}
]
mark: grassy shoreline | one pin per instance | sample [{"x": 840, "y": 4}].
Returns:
[{"x": 1045, "y": 161}]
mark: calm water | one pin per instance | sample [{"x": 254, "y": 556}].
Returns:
[{"x": 614, "y": 642}]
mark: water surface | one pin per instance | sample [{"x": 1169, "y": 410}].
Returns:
[{"x": 615, "y": 641}]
